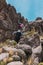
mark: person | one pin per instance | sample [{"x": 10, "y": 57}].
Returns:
[
  {"x": 17, "y": 36},
  {"x": 21, "y": 26}
]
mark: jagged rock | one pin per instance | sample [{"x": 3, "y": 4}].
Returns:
[
  {"x": 37, "y": 24},
  {"x": 5, "y": 24},
  {"x": 29, "y": 42},
  {"x": 34, "y": 40},
  {"x": 9, "y": 20},
  {"x": 23, "y": 41},
  {"x": 2, "y": 4}
]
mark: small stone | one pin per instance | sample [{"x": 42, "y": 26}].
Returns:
[
  {"x": 16, "y": 57},
  {"x": 10, "y": 59}
]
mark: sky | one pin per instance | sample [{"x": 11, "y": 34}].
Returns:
[{"x": 30, "y": 9}]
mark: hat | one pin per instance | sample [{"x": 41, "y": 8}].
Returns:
[
  {"x": 18, "y": 31},
  {"x": 21, "y": 25}
]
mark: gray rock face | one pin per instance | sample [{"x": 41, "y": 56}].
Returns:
[
  {"x": 2, "y": 4},
  {"x": 9, "y": 21},
  {"x": 28, "y": 44}
]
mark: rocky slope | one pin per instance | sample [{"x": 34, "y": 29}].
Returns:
[{"x": 28, "y": 50}]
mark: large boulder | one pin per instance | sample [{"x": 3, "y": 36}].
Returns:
[
  {"x": 15, "y": 63},
  {"x": 19, "y": 52},
  {"x": 25, "y": 48},
  {"x": 4, "y": 55}
]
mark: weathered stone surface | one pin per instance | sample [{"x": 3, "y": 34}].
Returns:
[
  {"x": 29, "y": 42},
  {"x": 36, "y": 61},
  {"x": 34, "y": 40},
  {"x": 36, "y": 50},
  {"x": 16, "y": 58},
  {"x": 9, "y": 48},
  {"x": 4, "y": 55},
  {"x": 9, "y": 21},
  {"x": 15, "y": 63},
  {"x": 19, "y": 52},
  {"x": 24, "y": 47}
]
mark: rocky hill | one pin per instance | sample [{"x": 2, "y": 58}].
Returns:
[
  {"x": 10, "y": 19},
  {"x": 29, "y": 49}
]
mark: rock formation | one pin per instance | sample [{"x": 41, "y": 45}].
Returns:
[{"x": 26, "y": 51}]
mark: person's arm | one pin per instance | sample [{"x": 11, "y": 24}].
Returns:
[{"x": 14, "y": 32}]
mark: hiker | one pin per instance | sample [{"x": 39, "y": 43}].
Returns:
[
  {"x": 21, "y": 25},
  {"x": 17, "y": 35}
]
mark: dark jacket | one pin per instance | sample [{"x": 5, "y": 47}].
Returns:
[{"x": 17, "y": 36}]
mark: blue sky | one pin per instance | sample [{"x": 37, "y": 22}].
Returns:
[{"x": 30, "y": 9}]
